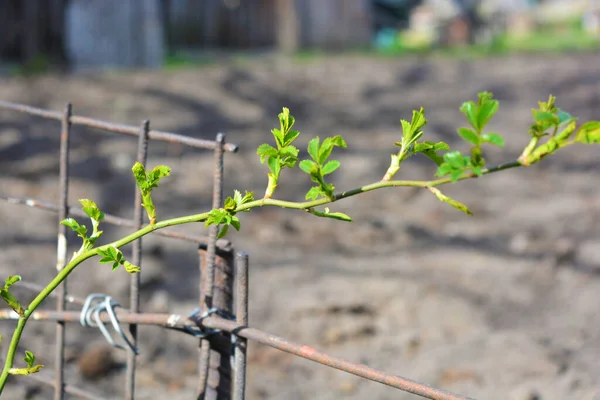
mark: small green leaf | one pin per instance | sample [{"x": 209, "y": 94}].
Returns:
[
  {"x": 308, "y": 166},
  {"x": 278, "y": 135},
  {"x": 456, "y": 204},
  {"x": 31, "y": 368},
  {"x": 545, "y": 117},
  {"x": 11, "y": 280},
  {"x": 327, "y": 147},
  {"x": 469, "y": 135},
  {"x": 248, "y": 197},
  {"x": 274, "y": 166},
  {"x": 235, "y": 222},
  {"x": 327, "y": 214},
  {"x": 91, "y": 209},
  {"x": 330, "y": 167},
  {"x": 314, "y": 193},
  {"x": 313, "y": 148},
  {"x": 230, "y": 204},
  {"x": 266, "y": 150},
  {"x": 130, "y": 268},
  {"x": 589, "y": 133},
  {"x": 486, "y": 111},
  {"x": 564, "y": 117},
  {"x": 430, "y": 150},
  {"x": 290, "y": 137},
  {"x": 8, "y": 297},
  {"x": 139, "y": 173},
  {"x": 493, "y": 138},
  {"x": 223, "y": 232},
  {"x": 469, "y": 109}
]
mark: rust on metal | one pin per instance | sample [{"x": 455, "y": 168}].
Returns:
[
  {"x": 118, "y": 128},
  {"x": 110, "y": 219},
  {"x": 136, "y": 259},
  {"x": 61, "y": 250},
  {"x": 241, "y": 315}
]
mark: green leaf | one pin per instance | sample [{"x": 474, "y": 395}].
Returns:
[
  {"x": 235, "y": 222},
  {"x": 8, "y": 297},
  {"x": 266, "y": 150},
  {"x": 91, "y": 209},
  {"x": 330, "y": 167},
  {"x": 406, "y": 134},
  {"x": 564, "y": 117},
  {"x": 545, "y": 117},
  {"x": 274, "y": 166},
  {"x": 456, "y": 174},
  {"x": 456, "y": 204},
  {"x": 157, "y": 173},
  {"x": 327, "y": 214},
  {"x": 589, "y": 133},
  {"x": 288, "y": 151},
  {"x": 139, "y": 173},
  {"x": 11, "y": 280},
  {"x": 31, "y": 368},
  {"x": 327, "y": 147},
  {"x": 430, "y": 150},
  {"x": 313, "y": 148},
  {"x": 230, "y": 204},
  {"x": 486, "y": 111},
  {"x": 223, "y": 232},
  {"x": 470, "y": 110},
  {"x": 130, "y": 268},
  {"x": 290, "y": 137},
  {"x": 493, "y": 138},
  {"x": 248, "y": 197},
  {"x": 278, "y": 135},
  {"x": 469, "y": 135},
  {"x": 308, "y": 166},
  {"x": 314, "y": 193}
]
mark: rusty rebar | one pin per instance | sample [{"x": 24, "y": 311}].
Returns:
[
  {"x": 136, "y": 259},
  {"x": 241, "y": 315},
  {"x": 108, "y": 218},
  {"x": 119, "y": 128},
  {"x": 61, "y": 251},
  {"x": 207, "y": 281},
  {"x": 215, "y": 322},
  {"x": 312, "y": 354},
  {"x": 70, "y": 389}
]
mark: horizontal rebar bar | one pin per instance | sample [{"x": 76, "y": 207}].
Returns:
[
  {"x": 213, "y": 322},
  {"x": 118, "y": 128},
  {"x": 108, "y": 218},
  {"x": 75, "y": 391},
  {"x": 312, "y": 354}
]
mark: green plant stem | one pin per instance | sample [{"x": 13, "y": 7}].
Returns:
[
  {"x": 367, "y": 188},
  {"x": 78, "y": 259}
]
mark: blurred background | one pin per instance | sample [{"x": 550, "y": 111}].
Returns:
[
  {"x": 36, "y": 35},
  {"x": 501, "y": 305}
]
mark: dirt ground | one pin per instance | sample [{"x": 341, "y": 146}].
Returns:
[{"x": 501, "y": 305}]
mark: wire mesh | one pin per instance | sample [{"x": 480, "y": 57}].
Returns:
[{"x": 218, "y": 361}]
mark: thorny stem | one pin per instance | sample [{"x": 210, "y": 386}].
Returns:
[{"x": 307, "y": 205}]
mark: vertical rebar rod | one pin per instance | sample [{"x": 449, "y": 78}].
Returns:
[
  {"x": 136, "y": 259},
  {"x": 207, "y": 274},
  {"x": 241, "y": 316},
  {"x": 61, "y": 251}
]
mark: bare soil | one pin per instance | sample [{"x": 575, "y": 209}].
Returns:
[{"x": 501, "y": 305}]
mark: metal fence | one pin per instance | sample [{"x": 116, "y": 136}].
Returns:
[{"x": 222, "y": 334}]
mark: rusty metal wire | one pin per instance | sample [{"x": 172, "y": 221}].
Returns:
[
  {"x": 216, "y": 322},
  {"x": 216, "y": 287},
  {"x": 118, "y": 128}
]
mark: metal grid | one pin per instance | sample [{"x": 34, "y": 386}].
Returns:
[{"x": 223, "y": 279}]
